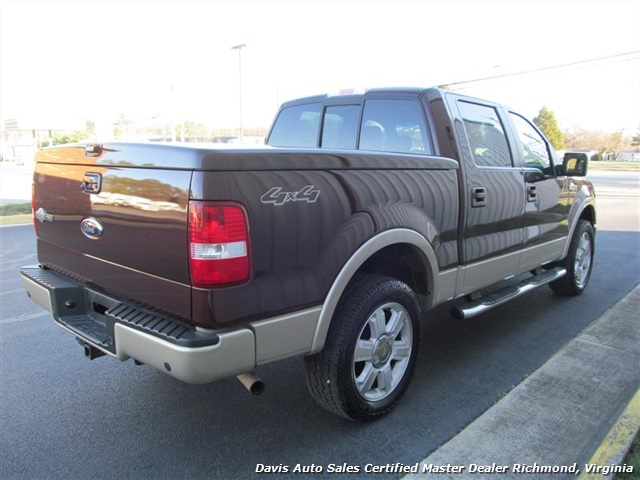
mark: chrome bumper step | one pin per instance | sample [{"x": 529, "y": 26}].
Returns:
[{"x": 91, "y": 315}]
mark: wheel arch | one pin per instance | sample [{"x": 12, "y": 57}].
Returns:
[
  {"x": 589, "y": 214},
  {"x": 587, "y": 211},
  {"x": 400, "y": 253}
]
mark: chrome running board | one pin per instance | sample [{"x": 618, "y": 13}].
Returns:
[{"x": 492, "y": 300}]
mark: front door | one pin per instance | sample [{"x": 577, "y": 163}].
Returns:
[{"x": 545, "y": 226}]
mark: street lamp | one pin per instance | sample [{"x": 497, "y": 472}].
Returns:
[{"x": 239, "y": 48}]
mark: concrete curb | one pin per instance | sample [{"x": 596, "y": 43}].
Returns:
[
  {"x": 618, "y": 441},
  {"x": 559, "y": 415}
]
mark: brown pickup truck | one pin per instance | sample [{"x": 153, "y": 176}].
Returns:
[{"x": 361, "y": 214}]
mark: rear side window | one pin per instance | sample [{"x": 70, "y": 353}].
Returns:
[
  {"x": 486, "y": 136},
  {"x": 392, "y": 125},
  {"x": 340, "y": 127},
  {"x": 297, "y": 126}
]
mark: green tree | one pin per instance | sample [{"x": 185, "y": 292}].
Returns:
[
  {"x": 635, "y": 141},
  {"x": 547, "y": 122}
]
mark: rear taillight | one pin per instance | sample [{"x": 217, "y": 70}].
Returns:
[
  {"x": 33, "y": 207},
  {"x": 218, "y": 244}
]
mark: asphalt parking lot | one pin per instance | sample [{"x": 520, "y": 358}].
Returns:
[{"x": 65, "y": 417}]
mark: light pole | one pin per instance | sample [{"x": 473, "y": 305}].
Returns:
[{"x": 239, "y": 48}]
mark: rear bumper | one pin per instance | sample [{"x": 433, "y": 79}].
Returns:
[{"x": 126, "y": 331}]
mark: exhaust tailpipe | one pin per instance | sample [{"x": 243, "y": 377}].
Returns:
[{"x": 252, "y": 382}]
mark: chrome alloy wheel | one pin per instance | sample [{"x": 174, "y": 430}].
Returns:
[
  {"x": 582, "y": 264},
  {"x": 382, "y": 352}
]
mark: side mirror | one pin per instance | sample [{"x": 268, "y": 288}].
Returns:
[{"x": 575, "y": 164}]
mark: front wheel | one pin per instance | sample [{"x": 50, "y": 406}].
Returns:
[
  {"x": 370, "y": 351},
  {"x": 579, "y": 261}
]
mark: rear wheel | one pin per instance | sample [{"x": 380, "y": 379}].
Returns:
[
  {"x": 370, "y": 351},
  {"x": 579, "y": 261}
]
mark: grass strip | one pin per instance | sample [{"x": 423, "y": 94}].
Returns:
[
  {"x": 615, "y": 166},
  {"x": 15, "y": 209}
]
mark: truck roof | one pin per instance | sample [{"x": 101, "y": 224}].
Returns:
[{"x": 356, "y": 95}]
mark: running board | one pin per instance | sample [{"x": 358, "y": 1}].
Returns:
[{"x": 487, "y": 302}]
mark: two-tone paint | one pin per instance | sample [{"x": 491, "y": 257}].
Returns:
[{"x": 316, "y": 218}]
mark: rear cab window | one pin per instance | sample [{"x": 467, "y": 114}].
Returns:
[
  {"x": 297, "y": 126},
  {"x": 340, "y": 127},
  {"x": 395, "y": 125}
]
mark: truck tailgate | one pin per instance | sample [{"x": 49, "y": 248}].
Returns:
[{"x": 119, "y": 228}]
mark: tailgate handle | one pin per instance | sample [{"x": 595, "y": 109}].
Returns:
[
  {"x": 93, "y": 150},
  {"x": 92, "y": 182}
]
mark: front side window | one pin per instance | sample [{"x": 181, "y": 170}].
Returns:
[
  {"x": 487, "y": 139},
  {"x": 532, "y": 146},
  {"x": 297, "y": 126},
  {"x": 392, "y": 125}
]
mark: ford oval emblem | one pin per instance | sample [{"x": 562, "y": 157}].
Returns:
[{"x": 91, "y": 228}]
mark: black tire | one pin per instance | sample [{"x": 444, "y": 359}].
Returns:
[
  {"x": 578, "y": 262},
  {"x": 381, "y": 316}
]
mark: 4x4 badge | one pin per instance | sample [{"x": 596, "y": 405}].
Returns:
[{"x": 277, "y": 197}]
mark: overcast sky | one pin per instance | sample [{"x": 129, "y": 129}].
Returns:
[{"x": 62, "y": 62}]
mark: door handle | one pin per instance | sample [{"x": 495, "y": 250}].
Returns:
[{"x": 478, "y": 197}]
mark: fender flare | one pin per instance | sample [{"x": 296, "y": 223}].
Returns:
[
  {"x": 587, "y": 203},
  {"x": 373, "y": 245}
]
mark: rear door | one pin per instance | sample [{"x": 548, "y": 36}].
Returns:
[
  {"x": 494, "y": 195},
  {"x": 116, "y": 226}
]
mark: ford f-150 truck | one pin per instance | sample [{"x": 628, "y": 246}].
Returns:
[{"x": 362, "y": 213}]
